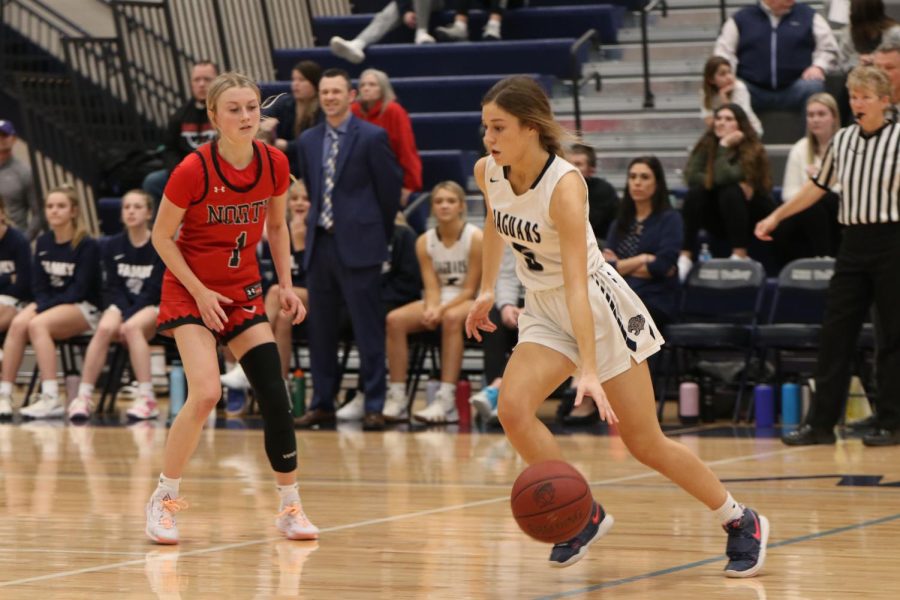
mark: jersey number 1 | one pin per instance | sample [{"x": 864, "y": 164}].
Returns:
[{"x": 235, "y": 261}]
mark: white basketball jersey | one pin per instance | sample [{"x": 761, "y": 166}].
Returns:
[
  {"x": 524, "y": 222},
  {"x": 450, "y": 263}
]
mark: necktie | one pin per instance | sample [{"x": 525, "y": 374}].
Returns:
[{"x": 326, "y": 217}]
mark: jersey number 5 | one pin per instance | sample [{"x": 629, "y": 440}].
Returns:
[
  {"x": 235, "y": 261},
  {"x": 528, "y": 255}
]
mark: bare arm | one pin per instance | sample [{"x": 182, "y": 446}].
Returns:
[
  {"x": 567, "y": 212},
  {"x": 280, "y": 246},
  {"x": 808, "y": 195},
  {"x": 491, "y": 253}
]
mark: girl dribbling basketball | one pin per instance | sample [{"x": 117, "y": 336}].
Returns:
[{"x": 579, "y": 315}]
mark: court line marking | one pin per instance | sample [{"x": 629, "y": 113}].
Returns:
[
  {"x": 505, "y": 498},
  {"x": 63, "y": 551},
  {"x": 714, "y": 559}
]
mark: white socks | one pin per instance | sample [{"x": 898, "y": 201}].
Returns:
[
  {"x": 290, "y": 494},
  {"x": 145, "y": 389},
  {"x": 729, "y": 511},
  {"x": 50, "y": 388},
  {"x": 85, "y": 389},
  {"x": 5, "y": 388},
  {"x": 684, "y": 267},
  {"x": 168, "y": 486},
  {"x": 397, "y": 388}
]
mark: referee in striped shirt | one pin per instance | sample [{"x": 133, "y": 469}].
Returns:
[{"x": 863, "y": 161}]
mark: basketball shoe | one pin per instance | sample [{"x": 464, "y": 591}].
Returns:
[
  {"x": 6, "y": 411},
  {"x": 441, "y": 411},
  {"x": 80, "y": 408},
  {"x": 144, "y": 407},
  {"x": 747, "y": 540},
  {"x": 568, "y": 553},
  {"x": 294, "y": 524},
  {"x": 161, "y": 509},
  {"x": 485, "y": 403},
  {"x": 395, "y": 406},
  {"x": 45, "y": 407}
]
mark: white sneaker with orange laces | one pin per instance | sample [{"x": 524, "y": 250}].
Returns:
[
  {"x": 143, "y": 408},
  {"x": 80, "y": 408},
  {"x": 161, "y": 509},
  {"x": 294, "y": 524}
]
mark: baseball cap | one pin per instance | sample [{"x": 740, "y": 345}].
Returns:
[{"x": 6, "y": 127}]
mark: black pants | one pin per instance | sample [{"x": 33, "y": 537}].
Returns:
[
  {"x": 813, "y": 232},
  {"x": 866, "y": 271},
  {"x": 724, "y": 212},
  {"x": 498, "y": 346}
]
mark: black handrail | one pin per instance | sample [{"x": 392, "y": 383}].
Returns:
[
  {"x": 62, "y": 18},
  {"x": 722, "y": 10},
  {"x": 590, "y": 35},
  {"x": 649, "y": 100}
]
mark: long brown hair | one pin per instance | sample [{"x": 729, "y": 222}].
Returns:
[
  {"x": 867, "y": 23},
  {"x": 523, "y": 98},
  {"x": 80, "y": 232},
  {"x": 750, "y": 152}
]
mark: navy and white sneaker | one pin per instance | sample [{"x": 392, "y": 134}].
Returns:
[
  {"x": 747, "y": 539},
  {"x": 570, "y": 552}
]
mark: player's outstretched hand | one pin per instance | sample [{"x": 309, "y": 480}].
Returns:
[
  {"x": 589, "y": 385},
  {"x": 210, "y": 304},
  {"x": 478, "y": 318},
  {"x": 291, "y": 305}
]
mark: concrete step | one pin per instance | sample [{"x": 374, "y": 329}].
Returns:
[
  {"x": 651, "y": 122},
  {"x": 690, "y": 67},
  {"x": 659, "y": 51}
]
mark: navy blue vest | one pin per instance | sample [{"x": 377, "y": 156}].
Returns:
[{"x": 792, "y": 42}]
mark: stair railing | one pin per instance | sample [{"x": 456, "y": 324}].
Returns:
[{"x": 649, "y": 100}]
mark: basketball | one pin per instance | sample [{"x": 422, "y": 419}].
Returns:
[{"x": 551, "y": 501}]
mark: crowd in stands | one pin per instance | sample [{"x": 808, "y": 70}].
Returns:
[{"x": 355, "y": 156}]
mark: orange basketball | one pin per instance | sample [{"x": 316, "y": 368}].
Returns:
[{"x": 551, "y": 501}]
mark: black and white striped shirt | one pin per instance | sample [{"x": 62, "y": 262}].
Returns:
[{"x": 863, "y": 169}]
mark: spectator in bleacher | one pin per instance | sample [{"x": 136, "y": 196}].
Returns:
[
  {"x": 643, "y": 245},
  {"x": 450, "y": 259},
  {"x": 65, "y": 281},
  {"x": 23, "y": 210},
  {"x": 15, "y": 280},
  {"x": 862, "y": 159},
  {"x": 887, "y": 58},
  {"x": 131, "y": 286},
  {"x": 294, "y": 113},
  {"x": 458, "y": 31},
  {"x": 354, "y": 185},
  {"x": 869, "y": 28},
  {"x": 729, "y": 185},
  {"x": 509, "y": 300},
  {"x": 602, "y": 197},
  {"x": 721, "y": 87},
  {"x": 415, "y": 14},
  {"x": 188, "y": 129},
  {"x": 815, "y": 231},
  {"x": 377, "y": 103},
  {"x": 804, "y": 51},
  {"x": 644, "y": 241}
]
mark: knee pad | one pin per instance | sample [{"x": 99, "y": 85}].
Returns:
[{"x": 262, "y": 366}]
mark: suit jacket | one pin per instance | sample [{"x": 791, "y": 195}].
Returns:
[{"x": 366, "y": 195}]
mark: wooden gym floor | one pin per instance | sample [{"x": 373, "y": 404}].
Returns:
[{"x": 425, "y": 514}]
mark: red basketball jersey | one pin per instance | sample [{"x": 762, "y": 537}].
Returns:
[{"x": 224, "y": 218}]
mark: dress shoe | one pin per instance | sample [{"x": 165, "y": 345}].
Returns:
[
  {"x": 807, "y": 435},
  {"x": 316, "y": 416},
  {"x": 882, "y": 437},
  {"x": 373, "y": 421}
]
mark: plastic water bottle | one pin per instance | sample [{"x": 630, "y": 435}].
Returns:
[
  {"x": 790, "y": 404},
  {"x": 298, "y": 393},
  {"x": 705, "y": 254},
  {"x": 463, "y": 408},
  {"x": 689, "y": 402},
  {"x": 177, "y": 388},
  {"x": 764, "y": 402}
]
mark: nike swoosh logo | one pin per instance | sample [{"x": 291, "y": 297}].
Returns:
[
  {"x": 118, "y": 256},
  {"x": 756, "y": 534},
  {"x": 494, "y": 180},
  {"x": 596, "y": 518},
  {"x": 250, "y": 309}
]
